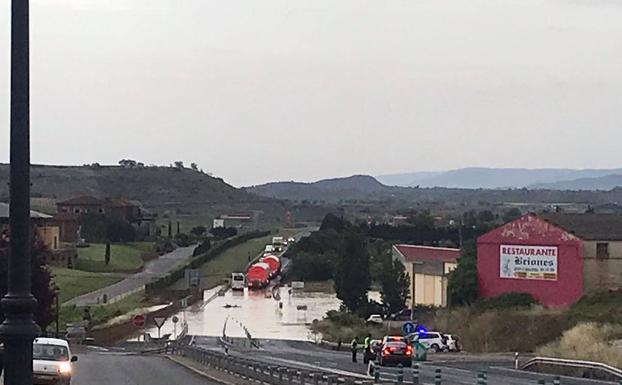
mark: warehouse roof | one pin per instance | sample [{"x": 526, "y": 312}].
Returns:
[
  {"x": 589, "y": 227},
  {"x": 412, "y": 253}
]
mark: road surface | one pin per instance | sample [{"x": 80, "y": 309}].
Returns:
[
  {"x": 152, "y": 270},
  {"x": 106, "y": 368}
]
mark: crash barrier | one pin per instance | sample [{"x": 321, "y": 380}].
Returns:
[
  {"x": 252, "y": 370},
  {"x": 382, "y": 374},
  {"x": 588, "y": 367}
]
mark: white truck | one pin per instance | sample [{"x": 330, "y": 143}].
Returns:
[
  {"x": 238, "y": 281},
  {"x": 278, "y": 243}
]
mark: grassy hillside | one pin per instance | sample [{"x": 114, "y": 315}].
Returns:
[{"x": 161, "y": 189}]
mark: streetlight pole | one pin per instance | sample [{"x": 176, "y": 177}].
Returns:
[{"x": 19, "y": 329}]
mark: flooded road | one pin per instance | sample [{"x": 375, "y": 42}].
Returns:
[{"x": 260, "y": 315}]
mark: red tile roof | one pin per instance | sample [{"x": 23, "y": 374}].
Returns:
[
  {"x": 84, "y": 200},
  {"x": 412, "y": 253}
]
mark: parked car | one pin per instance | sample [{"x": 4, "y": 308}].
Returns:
[
  {"x": 434, "y": 341},
  {"x": 375, "y": 318},
  {"x": 52, "y": 361},
  {"x": 452, "y": 343},
  {"x": 395, "y": 350}
]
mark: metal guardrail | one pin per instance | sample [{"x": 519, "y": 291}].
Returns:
[{"x": 576, "y": 364}]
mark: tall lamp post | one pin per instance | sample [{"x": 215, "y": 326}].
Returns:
[{"x": 19, "y": 329}]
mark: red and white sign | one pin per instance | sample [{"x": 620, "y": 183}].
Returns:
[
  {"x": 528, "y": 262},
  {"x": 139, "y": 320}
]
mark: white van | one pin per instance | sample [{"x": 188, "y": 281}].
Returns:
[
  {"x": 52, "y": 361},
  {"x": 238, "y": 281}
]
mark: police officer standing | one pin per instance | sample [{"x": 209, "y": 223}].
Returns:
[
  {"x": 367, "y": 347},
  {"x": 353, "y": 347}
]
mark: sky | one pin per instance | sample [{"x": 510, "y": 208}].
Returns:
[{"x": 256, "y": 91}]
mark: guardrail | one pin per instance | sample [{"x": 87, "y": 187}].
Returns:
[{"x": 612, "y": 372}]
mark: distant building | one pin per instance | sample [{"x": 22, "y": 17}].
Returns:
[
  {"x": 46, "y": 230},
  {"x": 428, "y": 268},
  {"x": 241, "y": 221},
  {"x": 119, "y": 208},
  {"x": 555, "y": 257}
]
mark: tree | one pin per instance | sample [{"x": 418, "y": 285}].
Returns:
[
  {"x": 119, "y": 230},
  {"x": 462, "y": 286},
  {"x": 198, "y": 230},
  {"x": 128, "y": 163},
  {"x": 331, "y": 221},
  {"x": 352, "y": 276},
  {"x": 194, "y": 166},
  {"x": 224, "y": 232},
  {"x": 107, "y": 256},
  {"x": 41, "y": 281},
  {"x": 395, "y": 285},
  {"x": 511, "y": 214},
  {"x": 179, "y": 164}
]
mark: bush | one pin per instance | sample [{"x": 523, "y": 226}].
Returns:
[
  {"x": 119, "y": 230},
  {"x": 587, "y": 341},
  {"x": 183, "y": 240},
  {"x": 507, "y": 301},
  {"x": 202, "y": 248},
  {"x": 224, "y": 232},
  {"x": 313, "y": 267}
]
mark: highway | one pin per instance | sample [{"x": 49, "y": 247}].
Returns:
[
  {"x": 457, "y": 369},
  {"x": 152, "y": 270},
  {"x": 106, "y": 368}
]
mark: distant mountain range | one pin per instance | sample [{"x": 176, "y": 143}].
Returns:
[{"x": 503, "y": 178}]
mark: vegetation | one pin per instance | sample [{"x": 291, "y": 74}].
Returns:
[
  {"x": 395, "y": 284},
  {"x": 224, "y": 232},
  {"x": 123, "y": 257},
  {"x": 462, "y": 286},
  {"x": 352, "y": 277},
  {"x": 343, "y": 326},
  {"x": 177, "y": 274},
  {"x": 233, "y": 259},
  {"x": 102, "y": 313},
  {"x": 507, "y": 301},
  {"x": 100, "y": 228},
  {"x": 41, "y": 281},
  {"x": 73, "y": 283}
]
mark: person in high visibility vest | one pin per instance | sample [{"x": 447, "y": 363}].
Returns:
[
  {"x": 353, "y": 346},
  {"x": 367, "y": 351}
]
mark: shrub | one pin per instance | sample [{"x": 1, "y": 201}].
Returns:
[
  {"x": 224, "y": 232},
  {"x": 507, "y": 301},
  {"x": 202, "y": 248},
  {"x": 587, "y": 341}
]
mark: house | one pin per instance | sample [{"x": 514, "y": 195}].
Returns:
[
  {"x": 46, "y": 230},
  {"x": 428, "y": 269},
  {"x": 555, "y": 257},
  {"x": 118, "y": 208},
  {"x": 241, "y": 221}
]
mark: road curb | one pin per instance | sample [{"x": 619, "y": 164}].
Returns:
[{"x": 199, "y": 372}]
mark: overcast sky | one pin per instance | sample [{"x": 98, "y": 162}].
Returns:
[{"x": 263, "y": 90}]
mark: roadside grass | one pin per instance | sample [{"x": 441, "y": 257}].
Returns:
[
  {"x": 343, "y": 326},
  {"x": 73, "y": 283},
  {"x": 101, "y": 314},
  {"x": 126, "y": 257},
  {"x": 232, "y": 260},
  {"x": 327, "y": 287}
]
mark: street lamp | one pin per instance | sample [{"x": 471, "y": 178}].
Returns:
[{"x": 19, "y": 329}]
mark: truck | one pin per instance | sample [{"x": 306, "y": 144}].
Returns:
[
  {"x": 278, "y": 243},
  {"x": 238, "y": 281}
]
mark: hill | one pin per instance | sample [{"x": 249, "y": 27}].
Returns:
[
  {"x": 361, "y": 187},
  {"x": 178, "y": 190},
  {"x": 605, "y": 183},
  {"x": 492, "y": 178},
  {"x": 368, "y": 189}
]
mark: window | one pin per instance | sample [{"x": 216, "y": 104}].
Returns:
[
  {"x": 77, "y": 211},
  {"x": 602, "y": 250}
]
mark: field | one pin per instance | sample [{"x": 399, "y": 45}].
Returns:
[
  {"x": 232, "y": 260},
  {"x": 102, "y": 313},
  {"x": 73, "y": 283},
  {"x": 123, "y": 257}
]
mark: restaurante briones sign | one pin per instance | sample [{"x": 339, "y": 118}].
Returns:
[{"x": 528, "y": 262}]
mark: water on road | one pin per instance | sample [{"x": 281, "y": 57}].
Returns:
[{"x": 260, "y": 315}]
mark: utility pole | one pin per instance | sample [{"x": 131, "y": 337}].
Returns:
[{"x": 19, "y": 328}]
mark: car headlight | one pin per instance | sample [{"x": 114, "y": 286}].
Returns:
[{"x": 64, "y": 368}]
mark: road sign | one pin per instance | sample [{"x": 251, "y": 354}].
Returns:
[
  {"x": 175, "y": 319},
  {"x": 408, "y": 328},
  {"x": 159, "y": 321},
  {"x": 139, "y": 320}
]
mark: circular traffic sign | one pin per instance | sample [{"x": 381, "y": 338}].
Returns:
[
  {"x": 175, "y": 319},
  {"x": 139, "y": 320},
  {"x": 408, "y": 328}
]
